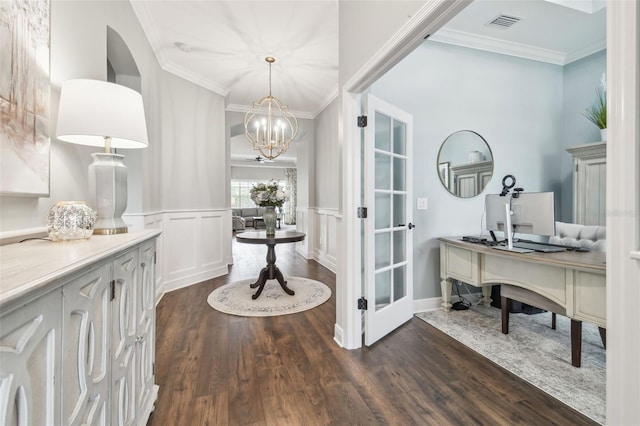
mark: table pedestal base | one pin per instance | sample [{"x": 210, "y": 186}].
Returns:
[{"x": 270, "y": 272}]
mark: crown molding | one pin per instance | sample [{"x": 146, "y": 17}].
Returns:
[
  {"x": 333, "y": 95},
  {"x": 247, "y": 108},
  {"x": 491, "y": 44}
]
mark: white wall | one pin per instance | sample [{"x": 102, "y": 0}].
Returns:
[
  {"x": 258, "y": 173},
  {"x": 184, "y": 164},
  {"x": 515, "y": 104},
  {"x": 326, "y": 157}
]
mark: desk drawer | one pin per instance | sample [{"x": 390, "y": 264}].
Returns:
[
  {"x": 548, "y": 281},
  {"x": 590, "y": 298},
  {"x": 460, "y": 264}
]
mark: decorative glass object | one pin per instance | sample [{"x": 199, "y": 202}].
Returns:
[
  {"x": 269, "y": 218},
  {"x": 70, "y": 220}
]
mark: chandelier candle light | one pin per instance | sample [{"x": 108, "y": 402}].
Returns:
[{"x": 269, "y": 126}]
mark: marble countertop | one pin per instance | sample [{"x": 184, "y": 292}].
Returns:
[{"x": 31, "y": 265}]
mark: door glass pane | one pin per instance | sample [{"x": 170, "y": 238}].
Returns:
[
  {"x": 399, "y": 246},
  {"x": 383, "y": 210},
  {"x": 399, "y": 137},
  {"x": 399, "y": 207},
  {"x": 383, "y": 171},
  {"x": 399, "y": 173},
  {"x": 383, "y": 250},
  {"x": 383, "y": 289},
  {"x": 383, "y": 132},
  {"x": 399, "y": 283}
]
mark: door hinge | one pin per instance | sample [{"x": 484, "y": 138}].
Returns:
[
  {"x": 362, "y": 304},
  {"x": 155, "y": 257},
  {"x": 576, "y": 167},
  {"x": 362, "y": 212},
  {"x": 153, "y": 368},
  {"x": 362, "y": 121},
  {"x": 113, "y": 289}
]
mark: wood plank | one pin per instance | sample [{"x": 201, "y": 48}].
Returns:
[{"x": 215, "y": 368}]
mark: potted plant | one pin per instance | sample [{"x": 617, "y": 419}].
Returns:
[{"x": 597, "y": 113}]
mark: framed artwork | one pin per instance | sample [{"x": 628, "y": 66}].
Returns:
[
  {"x": 444, "y": 171},
  {"x": 24, "y": 97}
]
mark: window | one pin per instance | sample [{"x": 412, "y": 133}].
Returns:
[{"x": 241, "y": 195}]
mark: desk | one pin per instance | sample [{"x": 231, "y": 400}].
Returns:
[
  {"x": 576, "y": 281},
  {"x": 271, "y": 271}
]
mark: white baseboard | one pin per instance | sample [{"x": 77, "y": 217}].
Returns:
[
  {"x": 194, "y": 279},
  {"x": 427, "y": 305},
  {"x": 338, "y": 335}
]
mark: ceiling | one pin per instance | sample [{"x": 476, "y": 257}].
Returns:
[{"x": 222, "y": 44}]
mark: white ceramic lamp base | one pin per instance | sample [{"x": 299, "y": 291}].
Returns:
[{"x": 108, "y": 179}]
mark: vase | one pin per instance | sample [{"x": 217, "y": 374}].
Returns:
[
  {"x": 269, "y": 218},
  {"x": 70, "y": 220},
  {"x": 603, "y": 135}
]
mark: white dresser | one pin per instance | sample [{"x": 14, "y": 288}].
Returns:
[
  {"x": 589, "y": 183},
  {"x": 77, "y": 331}
]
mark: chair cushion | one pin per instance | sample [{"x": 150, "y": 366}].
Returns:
[{"x": 586, "y": 236}]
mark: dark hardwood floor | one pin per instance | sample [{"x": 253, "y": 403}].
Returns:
[{"x": 218, "y": 369}]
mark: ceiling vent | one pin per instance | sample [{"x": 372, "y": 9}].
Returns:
[{"x": 503, "y": 21}]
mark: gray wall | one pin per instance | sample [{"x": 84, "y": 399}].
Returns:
[
  {"x": 515, "y": 104},
  {"x": 580, "y": 80}
]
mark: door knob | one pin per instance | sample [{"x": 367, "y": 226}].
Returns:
[{"x": 411, "y": 226}]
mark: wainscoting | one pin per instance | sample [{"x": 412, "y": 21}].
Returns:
[
  {"x": 321, "y": 243},
  {"x": 195, "y": 245}
]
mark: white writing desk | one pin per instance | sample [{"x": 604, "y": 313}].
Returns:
[{"x": 574, "y": 280}]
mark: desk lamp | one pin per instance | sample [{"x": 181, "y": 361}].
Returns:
[{"x": 102, "y": 114}]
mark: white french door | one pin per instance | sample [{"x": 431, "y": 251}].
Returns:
[{"x": 388, "y": 236}]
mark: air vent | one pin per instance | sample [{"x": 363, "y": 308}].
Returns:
[{"x": 503, "y": 21}]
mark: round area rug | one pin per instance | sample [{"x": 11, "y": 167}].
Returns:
[{"x": 235, "y": 298}]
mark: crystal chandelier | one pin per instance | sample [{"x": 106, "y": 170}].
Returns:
[{"x": 269, "y": 126}]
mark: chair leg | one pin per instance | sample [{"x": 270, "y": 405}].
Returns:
[
  {"x": 603, "y": 336},
  {"x": 553, "y": 320},
  {"x": 505, "y": 304},
  {"x": 576, "y": 342}
]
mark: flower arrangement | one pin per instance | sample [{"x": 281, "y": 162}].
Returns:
[
  {"x": 597, "y": 113},
  {"x": 268, "y": 194}
]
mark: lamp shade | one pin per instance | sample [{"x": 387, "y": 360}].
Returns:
[{"x": 91, "y": 110}]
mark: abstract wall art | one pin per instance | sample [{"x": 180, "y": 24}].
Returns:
[{"x": 24, "y": 97}]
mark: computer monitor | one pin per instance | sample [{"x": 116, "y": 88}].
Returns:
[{"x": 533, "y": 213}]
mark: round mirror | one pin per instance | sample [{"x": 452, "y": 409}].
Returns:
[{"x": 465, "y": 163}]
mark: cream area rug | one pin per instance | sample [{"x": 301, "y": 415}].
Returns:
[
  {"x": 235, "y": 298},
  {"x": 535, "y": 352}
]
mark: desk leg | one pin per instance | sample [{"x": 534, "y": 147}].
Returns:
[
  {"x": 486, "y": 295},
  {"x": 576, "y": 342},
  {"x": 445, "y": 287}
]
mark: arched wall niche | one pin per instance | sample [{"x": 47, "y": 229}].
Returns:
[{"x": 122, "y": 69}]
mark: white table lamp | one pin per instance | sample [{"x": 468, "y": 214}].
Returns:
[{"x": 98, "y": 113}]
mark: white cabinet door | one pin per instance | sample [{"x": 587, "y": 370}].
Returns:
[
  {"x": 30, "y": 362},
  {"x": 145, "y": 341},
  {"x": 589, "y": 183},
  {"x": 86, "y": 342},
  {"x": 125, "y": 312}
]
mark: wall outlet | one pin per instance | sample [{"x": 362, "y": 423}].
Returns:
[{"x": 421, "y": 204}]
